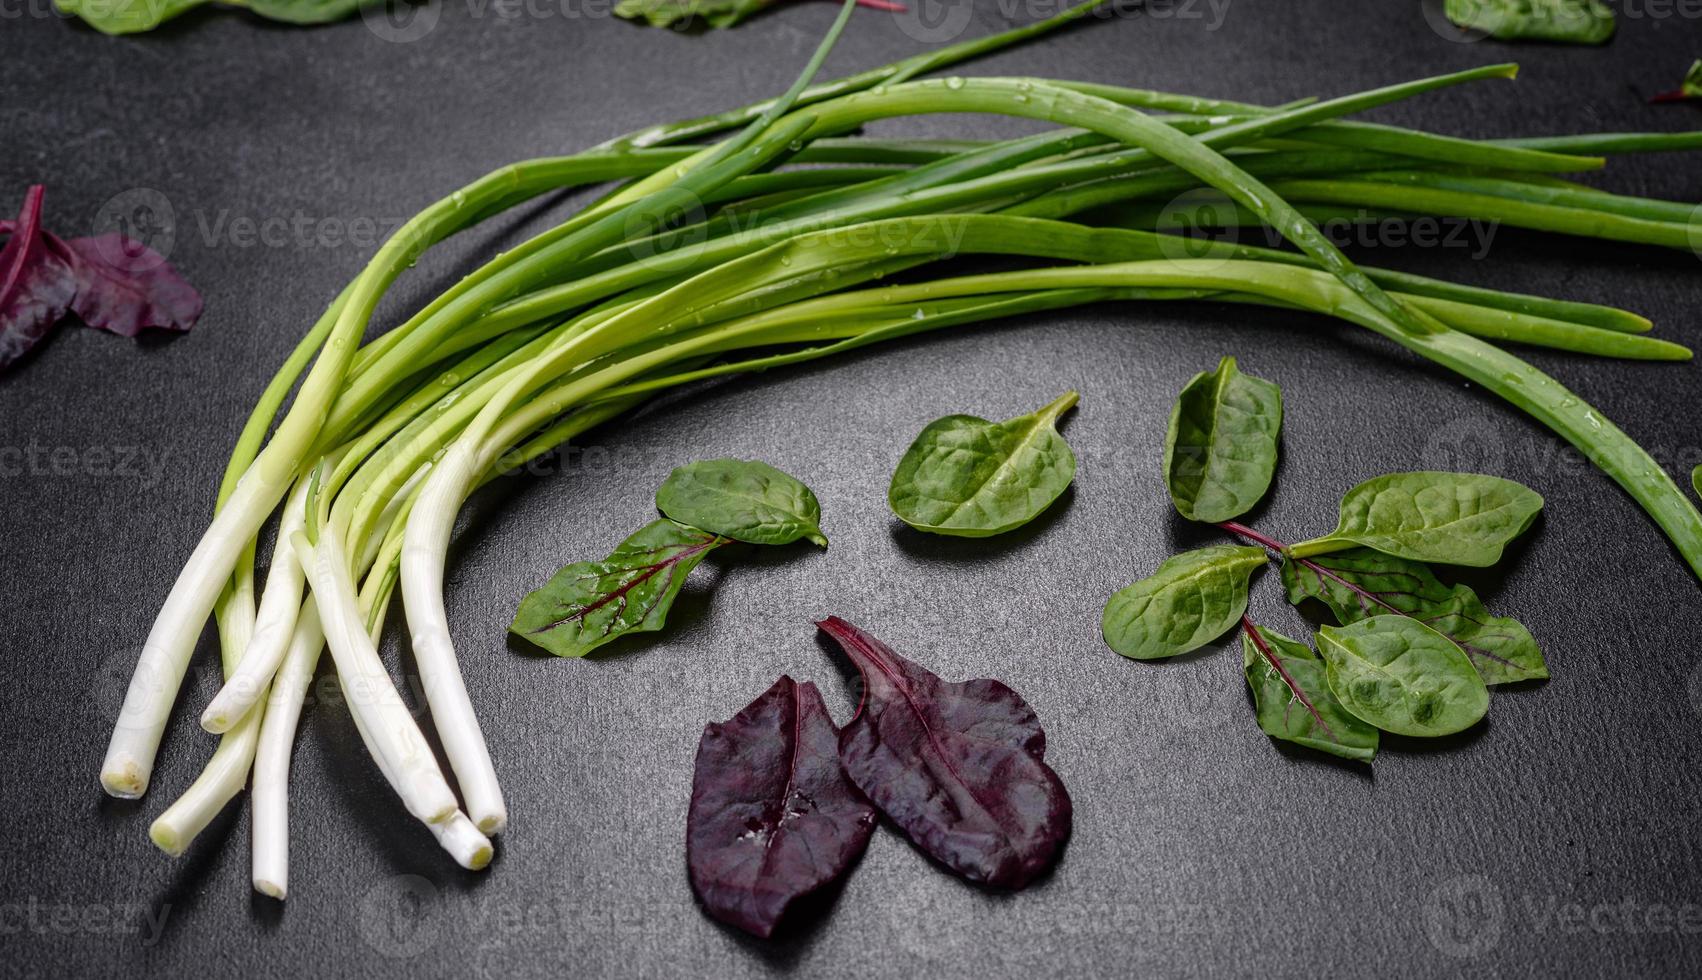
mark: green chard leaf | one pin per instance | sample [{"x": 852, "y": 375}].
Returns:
[
  {"x": 1293, "y": 699},
  {"x": 1451, "y": 518},
  {"x": 666, "y": 13},
  {"x": 968, "y": 477},
  {"x": 589, "y": 603},
  {"x": 1192, "y": 599},
  {"x": 1400, "y": 675},
  {"x": 1564, "y": 21},
  {"x": 1361, "y": 583},
  {"x": 1221, "y": 450},
  {"x": 742, "y": 499}
]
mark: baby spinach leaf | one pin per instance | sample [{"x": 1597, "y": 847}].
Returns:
[
  {"x": 666, "y": 13},
  {"x": 1565, "y": 21},
  {"x": 959, "y": 767},
  {"x": 589, "y": 603},
  {"x": 1402, "y": 676},
  {"x": 1221, "y": 450},
  {"x": 1452, "y": 518},
  {"x": 1293, "y": 698},
  {"x": 742, "y": 499},
  {"x": 1192, "y": 599},
  {"x": 134, "y": 16},
  {"x": 972, "y": 478},
  {"x": 772, "y": 816},
  {"x": 1360, "y": 583}
]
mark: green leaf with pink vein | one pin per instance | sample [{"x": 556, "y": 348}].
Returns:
[
  {"x": 1293, "y": 699},
  {"x": 590, "y": 603},
  {"x": 1361, "y": 583}
]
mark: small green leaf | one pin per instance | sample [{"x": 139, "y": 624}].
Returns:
[
  {"x": 1402, "y": 676},
  {"x": 1293, "y": 699},
  {"x": 667, "y": 13},
  {"x": 589, "y": 603},
  {"x": 1192, "y": 599},
  {"x": 1691, "y": 87},
  {"x": 1451, "y": 518},
  {"x": 745, "y": 500},
  {"x": 1565, "y": 21},
  {"x": 972, "y": 478},
  {"x": 1221, "y": 450},
  {"x": 1696, "y": 476},
  {"x": 135, "y": 16},
  {"x": 1360, "y": 583}
]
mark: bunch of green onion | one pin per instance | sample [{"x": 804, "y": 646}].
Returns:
[{"x": 767, "y": 248}]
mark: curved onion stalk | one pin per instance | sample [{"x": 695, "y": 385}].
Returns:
[
  {"x": 227, "y": 771},
  {"x": 273, "y": 626},
  {"x": 271, "y": 857},
  {"x": 393, "y": 737}
]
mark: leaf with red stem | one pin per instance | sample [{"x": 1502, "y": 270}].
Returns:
[
  {"x": 1293, "y": 700},
  {"x": 1690, "y": 88},
  {"x": 772, "y": 817},
  {"x": 958, "y": 766},
  {"x": 590, "y": 603},
  {"x": 1361, "y": 583}
]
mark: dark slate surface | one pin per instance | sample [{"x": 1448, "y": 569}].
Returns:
[{"x": 1557, "y": 838}]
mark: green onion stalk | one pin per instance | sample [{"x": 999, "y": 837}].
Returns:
[{"x": 782, "y": 242}]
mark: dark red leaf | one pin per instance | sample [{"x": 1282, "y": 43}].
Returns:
[
  {"x": 36, "y": 283},
  {"x": 957, "y": 766},
  {"x": 772, "y": 816},
  {"x": 112, "y": 282},
  {"x": 126, "y": 287}
]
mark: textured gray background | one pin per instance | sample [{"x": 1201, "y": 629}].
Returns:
[{"x": 1559, "y": 837}]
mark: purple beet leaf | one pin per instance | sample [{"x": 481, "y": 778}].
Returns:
[
  {"x": 959, "y": 767},
  {"x": 772, "y": 816},
  {"x": 36, "y": 283},
  {"x": 111, "y": 282},
  {"x": 126, "y": 287}
]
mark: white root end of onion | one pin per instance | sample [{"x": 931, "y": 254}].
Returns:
[
  {"x": 386, "y": 725},
  {"x": 271, "y": 819},
  {"x": 425, "y": 544},
  {"x": 470, "y": 848},
  {"x": 165, "y": 655},
  {"x": 218, "y": 784}
]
